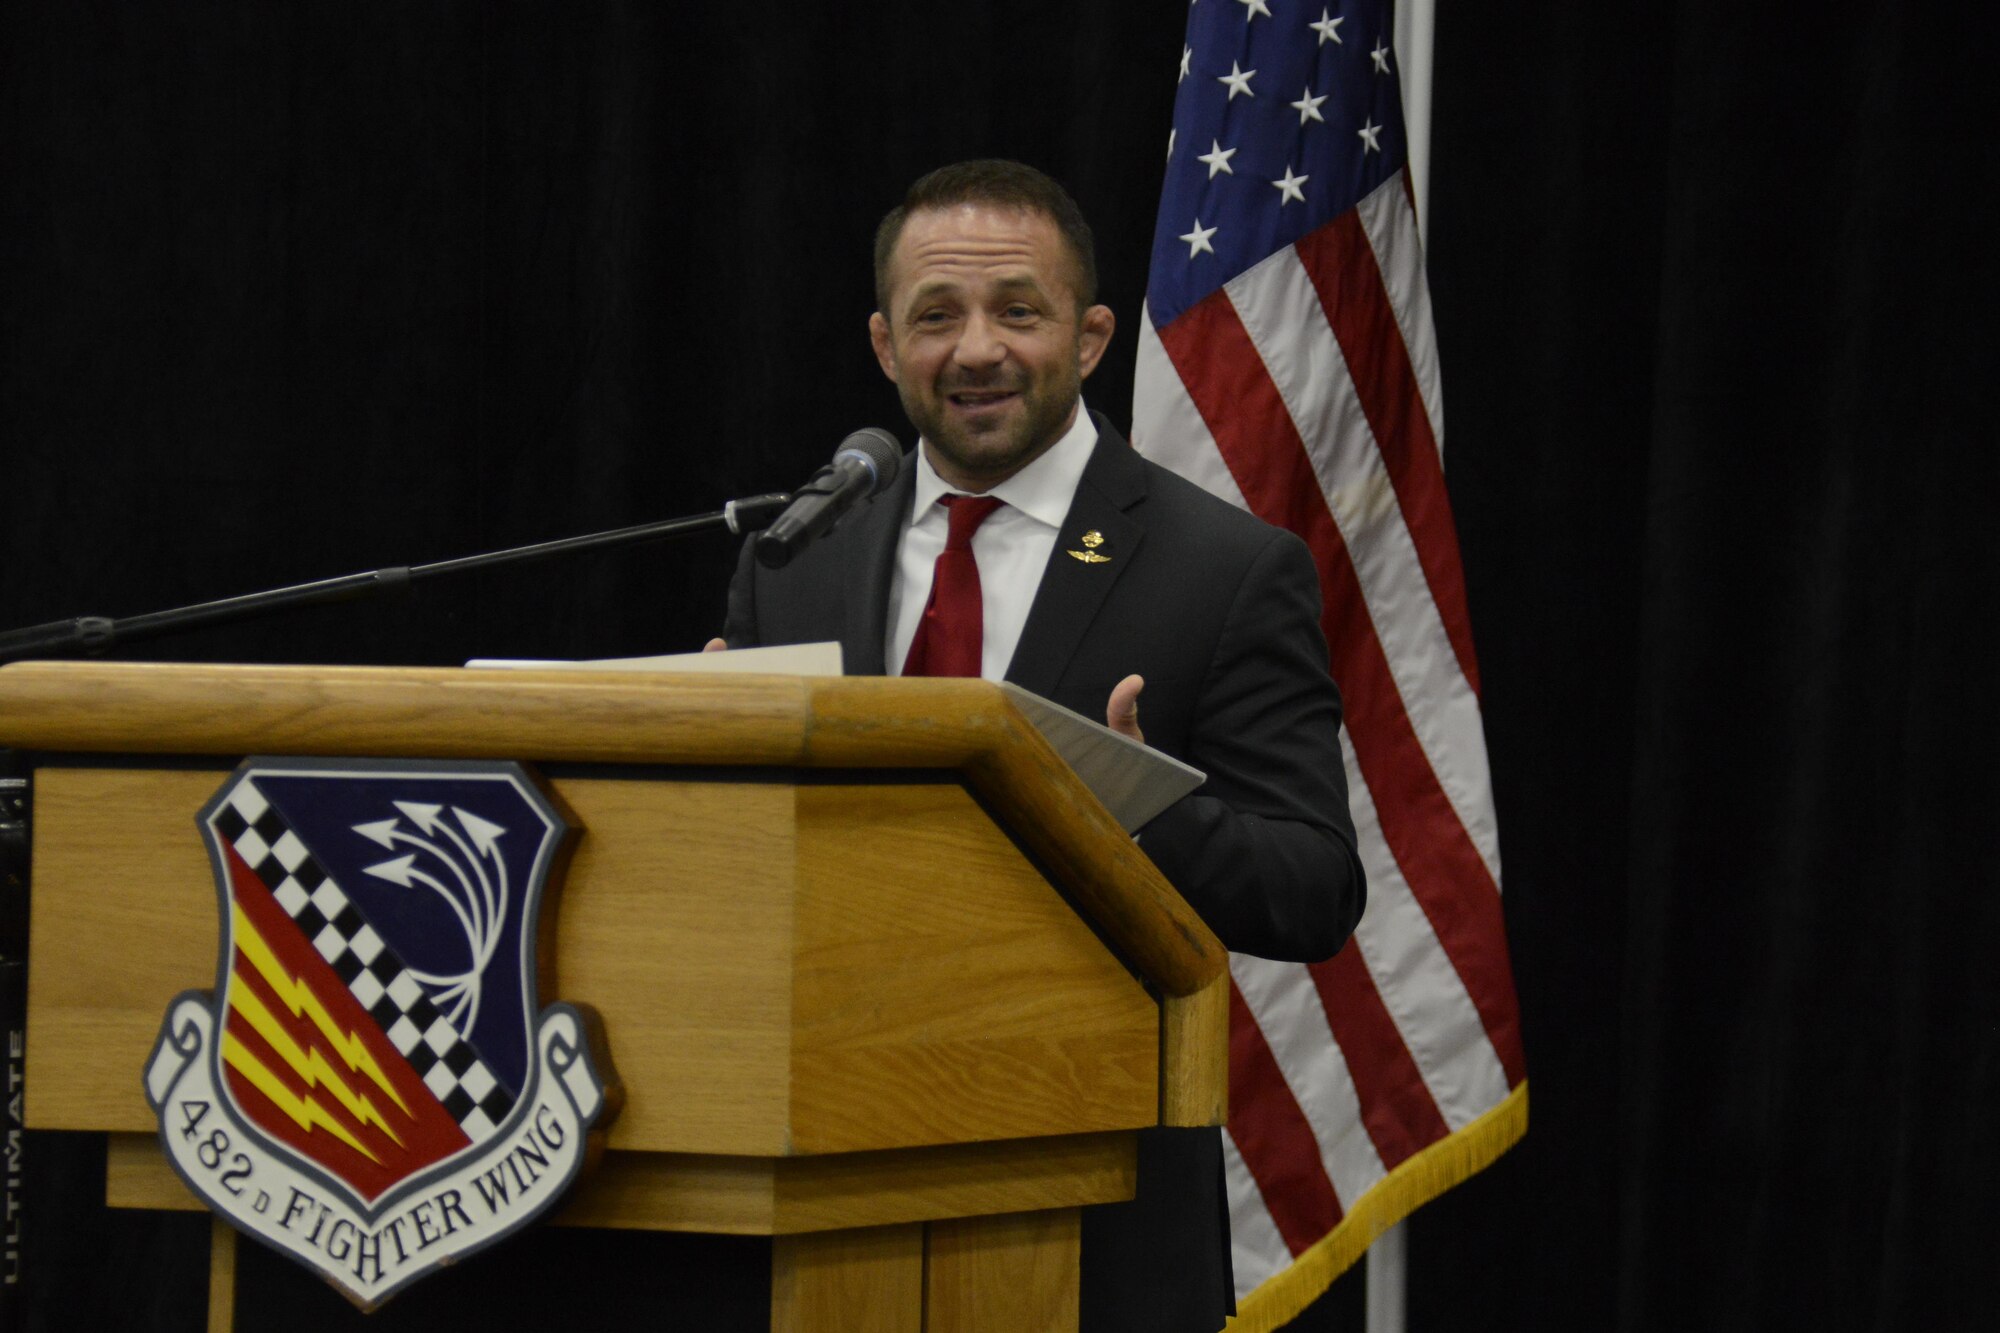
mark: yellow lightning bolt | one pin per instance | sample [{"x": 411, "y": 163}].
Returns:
[
  {"x": 304, "y": 1111},
  {"x": 297, "y": 997},
  {"x": 310, "y": 1065}
]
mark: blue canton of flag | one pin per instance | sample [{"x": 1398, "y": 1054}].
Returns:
[{"x": 1288, "y": 114}]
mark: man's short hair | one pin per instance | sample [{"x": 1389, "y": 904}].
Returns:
[{"x": 998, "y": 183}]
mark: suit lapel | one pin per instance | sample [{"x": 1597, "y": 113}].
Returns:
[
  {"x": 868, "y": 560},
  {"x": 1073, "y": 589}
]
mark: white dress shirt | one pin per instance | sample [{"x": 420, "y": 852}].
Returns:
[{"x": 1012, "y": 547}]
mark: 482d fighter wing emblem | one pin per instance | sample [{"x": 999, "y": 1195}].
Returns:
[{"x": 372, "y": 1087}]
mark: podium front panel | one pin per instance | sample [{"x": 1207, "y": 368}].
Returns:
[{"x": 783, "y": 967}]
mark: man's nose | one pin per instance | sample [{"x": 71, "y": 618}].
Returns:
[{"x": 979, "y": 344}]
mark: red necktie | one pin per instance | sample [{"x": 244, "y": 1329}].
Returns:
[{"x": 952, "y": 632}]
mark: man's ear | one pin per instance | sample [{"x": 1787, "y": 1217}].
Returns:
[
  {"x": 885, "y": 351},
  {"x": 1094, "y": 335}
]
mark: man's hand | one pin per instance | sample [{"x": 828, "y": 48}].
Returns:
[
  {"x": 1122, "y": 713},
  {"x": 714, "y": 646}
]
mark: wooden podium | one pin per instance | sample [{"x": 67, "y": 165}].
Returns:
[{"x": 880, "y": 977}]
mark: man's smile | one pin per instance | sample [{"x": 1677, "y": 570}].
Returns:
[{"x": 981, "y": 400}]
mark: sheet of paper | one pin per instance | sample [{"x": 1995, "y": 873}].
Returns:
[
  {"x": 1134, "y": 782},
  {"x": 795, "y": 659}
]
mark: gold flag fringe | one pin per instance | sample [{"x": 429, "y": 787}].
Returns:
[{"x": 1411, "y": 1185}]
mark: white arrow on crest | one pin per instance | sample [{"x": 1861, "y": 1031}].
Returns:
[{"x": 480, "y": 911}]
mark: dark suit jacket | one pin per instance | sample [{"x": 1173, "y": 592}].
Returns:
[{"x": 1219, "y": 611}]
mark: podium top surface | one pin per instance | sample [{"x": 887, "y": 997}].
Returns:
[{"x": 838, "y": 722}]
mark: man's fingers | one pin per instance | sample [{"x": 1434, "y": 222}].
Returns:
[
  {"x": 1122, "y": 713},
  {"x": 714, "y": 646}
]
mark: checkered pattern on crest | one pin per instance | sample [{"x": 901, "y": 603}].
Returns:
[{"x": 378, "y": 978}]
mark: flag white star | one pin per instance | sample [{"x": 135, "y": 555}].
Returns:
[
  {"x": 1170, "y": 143},
  {"x": 1381, "y": 56},
  {"x": 1370, "y": 134},
  {"x": 1198, "y": 239},
  {"x": 1238, "y": 80},
  {"x": 1187, "y": 54},
  {"x": 1308, "y": 106},
  {"x": 1255, "y": 7},
  {"x": 1217, "y": 158},
  {"x": 1328, "y": 29},
  {"x": 1288, "y": 188}
]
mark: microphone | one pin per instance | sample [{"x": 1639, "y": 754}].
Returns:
[{"x": 862, "y": 469}]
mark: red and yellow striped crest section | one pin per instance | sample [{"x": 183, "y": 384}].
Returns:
[{"x": 309, "y": 1066}]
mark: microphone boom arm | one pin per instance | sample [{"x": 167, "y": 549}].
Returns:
[{"x": 95, "y": 634}]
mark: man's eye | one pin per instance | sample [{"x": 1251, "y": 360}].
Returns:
[{"x": 1020, "y": 312}]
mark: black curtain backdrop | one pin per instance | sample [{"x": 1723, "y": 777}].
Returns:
[{"x": 292, "y": 290}]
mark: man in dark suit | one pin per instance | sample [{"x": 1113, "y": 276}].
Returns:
[{"x": 1098, "y": 575}]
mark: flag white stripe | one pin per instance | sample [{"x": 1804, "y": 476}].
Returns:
[
  {"x": 1420, "y": 988},
  {"x": 1280, "y": 310},
  {"x": 1286, "y": 1004},
  {"x": 1257, "y": 1249},
  {"x": 1391, "y": 228},
  {"x": 1166, "y": 425}
]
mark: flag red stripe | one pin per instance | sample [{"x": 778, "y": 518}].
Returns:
[
  {"x": 1274, "y": 1136},
  {"x": 1342, "y": 267},
  {"x": 1396, "y": 1104},
  {"x": 1232, "y": 389}
]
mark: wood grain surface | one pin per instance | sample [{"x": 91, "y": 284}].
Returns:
[
  {"x": 779, "y": 970},
  {"x": 125, "y": 917},
  {"x": 221, "y": 1276},
  {"x": 867, "y": 1281},
  {"x": 1020, "y": 1272},
  {"x": 934, "y": 1007},
  {"x": 967, "y": 726},
  {"x": 676, "y": 926},
  {"x": 1194, "y": 1056}
]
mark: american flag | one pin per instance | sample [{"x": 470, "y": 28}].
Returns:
[{"x": 1287, "y": 362}]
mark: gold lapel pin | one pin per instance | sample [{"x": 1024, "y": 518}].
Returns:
[{"x": 1089, "y": 555}]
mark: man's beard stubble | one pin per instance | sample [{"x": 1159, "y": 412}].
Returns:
[{"x": 996, "y": 453}]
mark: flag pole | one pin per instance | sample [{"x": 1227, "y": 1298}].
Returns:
[{"x": 1415, "y": 37}]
